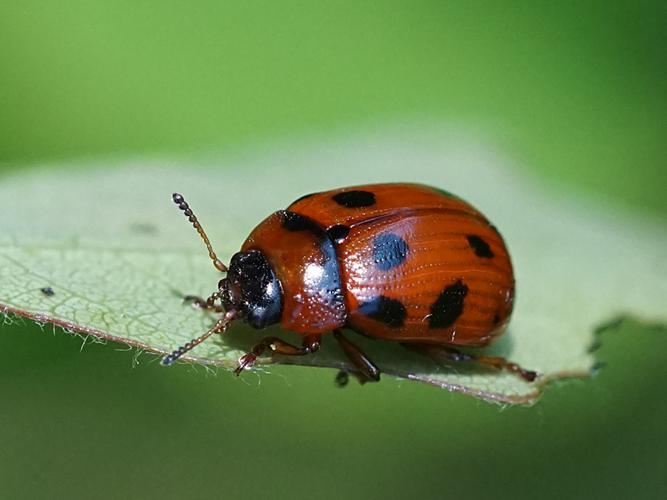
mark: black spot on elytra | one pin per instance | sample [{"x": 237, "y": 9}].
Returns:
[
  {"x": 355, "y": 199},
  {"x": 389, "y": 250},
  {"x": 338, "y": 233},
  {"x": 386, "y": 310},
  {"x": 295, "y": 222},
  {"x": 479, "y": 246},
  {"x": 496, "y": 319},
  {"x": 449, "y": 306},
  {"x": 48, "y": 291}
]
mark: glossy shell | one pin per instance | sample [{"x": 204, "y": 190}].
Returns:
[
  {"x": 399, "y": 262},
  {"x": 304, "y": 260}
]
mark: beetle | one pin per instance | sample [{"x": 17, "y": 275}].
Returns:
[{"x": 395, "y": 262}]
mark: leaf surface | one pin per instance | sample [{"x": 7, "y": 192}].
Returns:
[{"x": 119, "y": 256}]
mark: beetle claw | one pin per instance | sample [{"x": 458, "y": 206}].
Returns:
[{"x": 245, "y": 361}]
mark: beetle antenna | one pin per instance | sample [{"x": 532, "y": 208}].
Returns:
[
  {"x": 183, "y": 205},
  {"x": 220, "y": 326}
]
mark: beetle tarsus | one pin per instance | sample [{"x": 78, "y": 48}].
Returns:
[
  {"x": 342, "y": 378},
  {"x": 368, "y": 371},
  {"x": 311, "y": 343}
]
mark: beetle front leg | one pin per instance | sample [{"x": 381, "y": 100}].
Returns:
[
  {"x": 205, "y": 304},
  {"x": 311, "y": 343}
]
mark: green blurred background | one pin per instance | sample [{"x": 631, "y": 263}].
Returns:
[{"x": 575, "y": 92}]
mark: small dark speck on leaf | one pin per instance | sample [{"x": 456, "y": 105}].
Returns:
[
  {"x": 143, "y": 228},
  {"x": 48, "y": 291}
]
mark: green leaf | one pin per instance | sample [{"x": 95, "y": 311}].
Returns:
[{"x": 119, "y": 256}]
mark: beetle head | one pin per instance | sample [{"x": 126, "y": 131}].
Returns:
[{"x": 252, "y": 289}]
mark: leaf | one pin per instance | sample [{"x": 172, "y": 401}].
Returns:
[{"x": 119, "y": 256}]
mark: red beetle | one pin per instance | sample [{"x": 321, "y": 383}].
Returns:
[{"x": 404, "y": 263}]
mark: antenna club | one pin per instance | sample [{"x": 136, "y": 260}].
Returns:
[{"x": 192, "y": 218}]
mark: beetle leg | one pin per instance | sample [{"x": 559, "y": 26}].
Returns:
[
  {"x": 205, "y": 304},
  {"x": 311, "y": 343},
  {"x": 437, "y": 352},
  {"x": 368, "y": 371},
  {"x": 502, "y": 363},
  {"x": 343, "y": 377}
]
